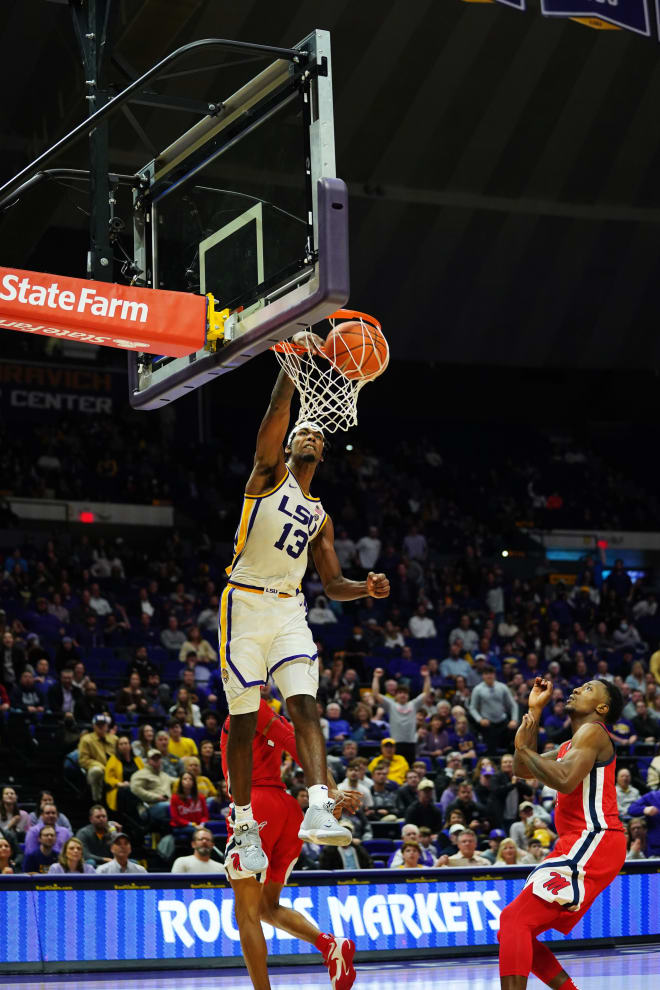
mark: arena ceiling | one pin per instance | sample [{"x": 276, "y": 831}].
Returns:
[{"x": 503, "y": 167}]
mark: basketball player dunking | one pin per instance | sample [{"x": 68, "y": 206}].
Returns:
[
  {"x": 591, "y": 848},
  {"x": 263, "y": 626},
  {"x": 258, "y": 895}
]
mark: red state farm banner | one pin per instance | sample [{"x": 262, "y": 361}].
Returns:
[{"x": 151, "y": 320}]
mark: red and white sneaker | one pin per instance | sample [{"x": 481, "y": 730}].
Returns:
[{"x": 339, "y": 960}]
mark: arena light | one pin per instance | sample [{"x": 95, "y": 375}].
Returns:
[
  {"x": 505, "y": 553},
  {"x": 349, "y": 446},
  {"x": 87, "y": 517}
]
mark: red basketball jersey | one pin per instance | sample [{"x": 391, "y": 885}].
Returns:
[
  {"x": 592, "y": 806},
  {"x": 273, "y": 736}
]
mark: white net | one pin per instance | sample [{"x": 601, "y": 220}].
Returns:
[{"x": 327, "y": 395}]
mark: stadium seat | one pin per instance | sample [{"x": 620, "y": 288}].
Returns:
[
  {"x": 386, "y": 830},
  {"x": 385, "y": 846}
]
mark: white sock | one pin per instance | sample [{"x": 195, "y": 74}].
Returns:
[
  {"x": 318, "y": 795},
  {"x": 243, "y": 813}
]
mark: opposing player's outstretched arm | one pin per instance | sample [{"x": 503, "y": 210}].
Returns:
[
  {"x": 336, "y": 586},
  {"x": 564, "y": 776}
]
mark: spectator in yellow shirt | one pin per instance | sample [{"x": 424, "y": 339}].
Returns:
[
  {"x": 119, "y": 769},
  {"x": 180, "y": 745},
  {"x": 204, "y": 785},
  {"x": 397, "y": 766},
  {"x": 267, "y": 695},
  {"x": 654, "y": 665},
  {"x": 94, "y": 750}
]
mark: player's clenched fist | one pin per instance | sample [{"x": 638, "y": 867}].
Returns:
[
  {"x": 540, "y": 694},
  {"x": 377, "y": 585}
]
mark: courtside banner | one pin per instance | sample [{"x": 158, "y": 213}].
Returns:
[
  {"x": 152, "y": 920},
  {"x": 155, "y": 321},
  {"x": 630, "y": 14}
]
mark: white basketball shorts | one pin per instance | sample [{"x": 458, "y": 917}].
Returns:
[{"x": 262, "y": 635}]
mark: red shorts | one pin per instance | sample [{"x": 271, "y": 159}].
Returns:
[
  {"x": 279, "y": 836},
  {"x": 578, "y": 869}
]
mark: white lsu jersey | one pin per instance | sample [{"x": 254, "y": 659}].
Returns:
[{"x": 270, "y": 546}]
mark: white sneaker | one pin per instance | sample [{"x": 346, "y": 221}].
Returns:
[
  {"x": 247, "y": 843},
  {"x": 320, "y": 826}
]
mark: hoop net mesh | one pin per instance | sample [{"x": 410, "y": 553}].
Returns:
[{"x": 327, "y": 396}]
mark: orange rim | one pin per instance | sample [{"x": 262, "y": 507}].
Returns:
[
  {"x": 286, "y": 347},
  {"x": 354, "y": 314}
]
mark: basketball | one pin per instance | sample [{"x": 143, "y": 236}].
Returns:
[{"x": 357, "y": 349}]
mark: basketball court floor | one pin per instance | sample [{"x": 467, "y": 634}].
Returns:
[{"x": 636, "y": 967}]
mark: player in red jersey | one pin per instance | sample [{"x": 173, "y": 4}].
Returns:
[
  {"x": 591, "y": 848},
  {"x": 258, "y": 895}
]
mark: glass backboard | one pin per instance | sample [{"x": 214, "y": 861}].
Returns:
[{"x": 246, "y": 206}]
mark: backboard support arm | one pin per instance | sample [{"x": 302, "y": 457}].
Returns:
[
  {"x": 9, "y": 189},
  {"x": 313, "y": 292},
  {"x": 90, "y": 22}
]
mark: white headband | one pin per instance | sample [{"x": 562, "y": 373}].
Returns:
[{"x": 306, "y": 424}]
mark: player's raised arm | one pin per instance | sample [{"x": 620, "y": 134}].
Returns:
[
  {"x": 268, "y": 467},
  {"x": 575, "y": 765},
  {"x": 336, "y": 586},
  {"x": 538, "y": 698},
  {"x": 269, "y": 458}
]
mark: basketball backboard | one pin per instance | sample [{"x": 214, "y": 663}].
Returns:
[{"x": 246, "y": 206}]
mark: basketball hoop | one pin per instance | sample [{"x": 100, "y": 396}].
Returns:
[{"x": 329, "y": 380}]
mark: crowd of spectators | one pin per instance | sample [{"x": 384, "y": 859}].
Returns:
[
  {"x": 114, "y": 649},
  {"x": 467, "y": 488}
]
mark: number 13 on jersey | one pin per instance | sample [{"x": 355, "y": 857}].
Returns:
[{"x": 293, "y": 549}]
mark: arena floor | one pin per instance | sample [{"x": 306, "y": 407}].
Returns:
[{"x": 639, "y": 966}]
